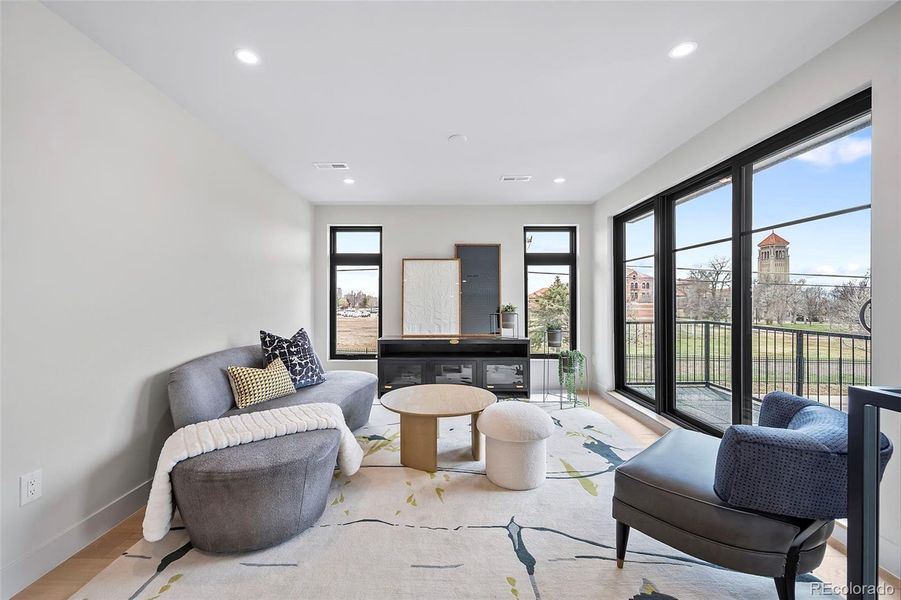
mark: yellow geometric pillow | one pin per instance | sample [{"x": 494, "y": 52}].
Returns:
[{"x": 252, "y": 386}]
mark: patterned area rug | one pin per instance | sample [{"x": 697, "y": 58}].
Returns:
[{"x": 393, "y": 532}]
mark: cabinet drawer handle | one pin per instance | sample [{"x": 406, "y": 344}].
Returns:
[
  {"x": 520, "y": 386},
  {"x": 388, "y": 387},
  {"x": 490, "y": 387}
]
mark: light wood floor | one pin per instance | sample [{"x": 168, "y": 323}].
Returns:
[{"x": 66, "y": 579}]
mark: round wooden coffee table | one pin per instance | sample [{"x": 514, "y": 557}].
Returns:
[{"x": 420, "y": 407}]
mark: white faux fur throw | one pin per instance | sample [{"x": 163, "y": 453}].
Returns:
[{"x": 208, "y": 436}]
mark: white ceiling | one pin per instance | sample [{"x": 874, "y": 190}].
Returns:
[{"x": 584, "y": 91}]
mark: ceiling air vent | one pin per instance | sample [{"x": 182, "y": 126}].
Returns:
[
  {"x": 331, "y": 166},
  {"x": 516, "y": 178}
]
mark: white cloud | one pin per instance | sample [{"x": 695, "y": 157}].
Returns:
[
  {"x": 850, "y": 272},
  {"x": 825, "y": 270},
  {"x": 842, "y": 151}
]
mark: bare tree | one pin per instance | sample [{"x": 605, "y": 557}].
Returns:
[
  {"x": 707, "y": 290},
  {"x": 847, "y": 300},
  {"x": 814, "y": 303},
  {"x": 786, "y": 298},
  {"x": 777, "y": 302}
]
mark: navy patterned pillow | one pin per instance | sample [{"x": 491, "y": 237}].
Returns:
[{"x": 297, "y": 354}]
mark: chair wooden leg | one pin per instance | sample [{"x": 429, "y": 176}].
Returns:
[
  {"x": 622, "y": 540},
  {"x": 781, "y": 590},
  {"x": 785, "y": 585}
]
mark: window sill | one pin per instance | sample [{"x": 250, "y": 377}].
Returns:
[{"x": 644, "y": 415}]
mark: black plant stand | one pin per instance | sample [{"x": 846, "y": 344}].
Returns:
[
  {"x": 546, "y": 362},
  {"x": 864, "y": 404},
  {"x": 563, "y": 395}
]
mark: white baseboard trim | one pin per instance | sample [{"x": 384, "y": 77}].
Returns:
[
  {"x": 889, "y": 559},
  {"x": 27, "y": 569}
]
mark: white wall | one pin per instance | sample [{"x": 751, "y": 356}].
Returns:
[
  {"x": 133, "y": 239},
  {"x": 870, "y": 55},
  {"x": 431, "y": 232}
]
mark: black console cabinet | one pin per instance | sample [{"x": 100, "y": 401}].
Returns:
[{"x": 494, "y": 363}]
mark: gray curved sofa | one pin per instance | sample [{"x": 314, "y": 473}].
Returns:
[
  {"x": 257, "y": 495},
  {"x": 199, "y": 389}
]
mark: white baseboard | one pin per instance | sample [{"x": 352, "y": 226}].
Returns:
[
  {"x": 27, "y": 569},
  {"x": 889, "y": 558}
]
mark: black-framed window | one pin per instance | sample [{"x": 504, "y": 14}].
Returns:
[
  {"x": 639, "y": 271},
  {"x": 355, "y": 291},
  {"x": 551, "y": 286},
  {"x": 759, "y": 274}
]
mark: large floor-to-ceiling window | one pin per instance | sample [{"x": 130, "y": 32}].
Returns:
[
  {"x": 702, "y": 296},
  {"x": 759, "y": 271},
  {"x": 550, "y": 261},
  {"x": 355, "y": 261},
  {"x": 810, "y": 277}
]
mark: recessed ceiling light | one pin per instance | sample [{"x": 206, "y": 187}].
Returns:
[
  {"x": 559, "y": 180},
  {"x": 457, "y": 138},
  {"x": 349, "y": 181},
  {"x": 247, "y": 56},
  {"x": 682, "y": 50}
]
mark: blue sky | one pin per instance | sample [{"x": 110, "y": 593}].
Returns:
[
  {"x": 351, "y": 279},
  {"x": 365, "y": 279},
  {"x": 828, "y": 178},
  {"x": 543, "y": 242},
  {"x": 548, "y": 241},
  {"x": 357, "y": 242}
]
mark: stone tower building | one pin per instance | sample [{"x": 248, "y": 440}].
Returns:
[{"x": 773, "y": 264}]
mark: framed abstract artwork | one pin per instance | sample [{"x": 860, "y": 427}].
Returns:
[{"x": 431, "y": 297}]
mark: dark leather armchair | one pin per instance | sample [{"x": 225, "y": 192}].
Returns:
[{"x": 761, "y": 501}]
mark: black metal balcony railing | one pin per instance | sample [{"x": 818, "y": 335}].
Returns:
[{"x": 819, "y": 365}]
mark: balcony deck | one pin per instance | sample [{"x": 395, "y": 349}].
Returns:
[
  {"x": 816, "y": 364},
  {"x": 710, "y": 405}
]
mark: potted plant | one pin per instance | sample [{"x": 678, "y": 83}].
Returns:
[
  {"x": 571, "y": 369},
  {"x": 554, "y": 334},
  {"x": 508, "y": 316}
]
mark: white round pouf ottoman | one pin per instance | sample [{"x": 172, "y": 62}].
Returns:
[{"x": 516, "y": 444}]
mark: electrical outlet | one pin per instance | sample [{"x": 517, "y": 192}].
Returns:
[{"x": 30, "y": 487}]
